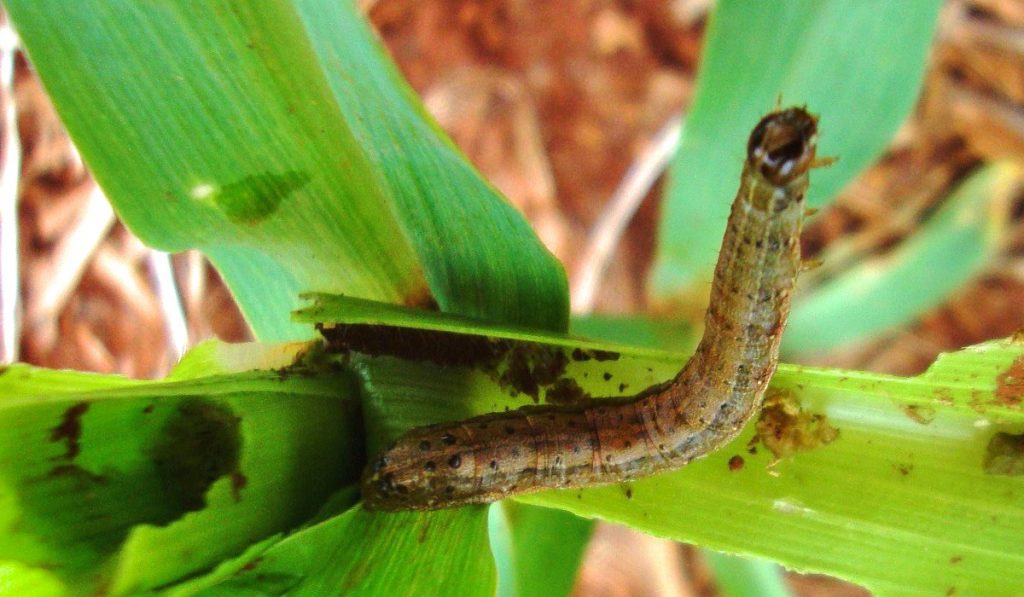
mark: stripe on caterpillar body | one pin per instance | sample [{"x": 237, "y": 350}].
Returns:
[{"x": 490, "y": 457}]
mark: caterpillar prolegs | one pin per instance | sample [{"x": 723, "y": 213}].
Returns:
[{"x": 490, "y": 457}]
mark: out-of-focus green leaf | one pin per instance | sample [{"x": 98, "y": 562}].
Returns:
[
  {"x": 18, "y": 579},
  {"x": 216, "y": 358},
  {"x": 953, "y": 245},
  {"x": 903, "y": 485},
  {"x": 675, "y": 335},
  {"x": 278, "y": 138},
  {"x": 857, "y": 64},
  {"x": 746, "y": 577},
  {"x": 539, "y": 549},
  {"x": 131, "y": 485}
]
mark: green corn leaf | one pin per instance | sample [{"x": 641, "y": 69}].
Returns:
[
  {"x": 746, "y": 577},
  {"x": 275, "y": 143},
  {"x": 334, "y": 556},
  {"x": 278, "y": 138},
  {"x": 951, "y": 247},
  {"x": 734, "y": 576},
  {"x": 903, "y": 485},
  {"x": 662, "y": 334},
  {"x": 537, "y": 550},
  {"x": 857, "y": 64},
  {"x": 131, "y": 485}
]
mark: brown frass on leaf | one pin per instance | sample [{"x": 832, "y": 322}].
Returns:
[{"x": 786, "y": 429}]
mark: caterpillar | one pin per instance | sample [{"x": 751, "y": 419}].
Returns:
[{"x": 664, "y": 427}]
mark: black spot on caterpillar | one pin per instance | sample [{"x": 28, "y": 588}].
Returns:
[{"x": 664, "y": 427}]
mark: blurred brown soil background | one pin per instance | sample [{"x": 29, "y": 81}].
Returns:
[{"x": 552, "y": 102}]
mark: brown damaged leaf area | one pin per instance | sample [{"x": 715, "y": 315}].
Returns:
[
  {"x": 1004, "y": 455},
  {"x": 567, "y": 391},
  {"x": 238, "y": 483},
  {"x": 531, "y": 367},
  {"x": 70, "y": 429},
  {"x": 919, "y": 413},
  {"x": 1010, "y": 384},
  {"x": 200, "y": 444},
  {"x": 786, "y": 429},
  {"x": 517, "y": 366},
  {"x": 446, "y": 349},
  {"x": 421, "y": 298}
]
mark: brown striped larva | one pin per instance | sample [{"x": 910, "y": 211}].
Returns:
[{"x": 490, "y": 457}]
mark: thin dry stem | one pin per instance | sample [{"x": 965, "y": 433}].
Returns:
[
  {"x": 10, "y": 174},
  {"x": 76, "y": 249},
  {"x": 162, "y": 269},
  {"x": 607, "y": 232}
]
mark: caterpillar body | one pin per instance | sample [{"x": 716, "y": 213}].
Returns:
[{"x": 490, "y": 457}]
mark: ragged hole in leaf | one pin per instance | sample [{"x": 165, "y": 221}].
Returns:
[
  {"x": 1004, "y": 455},
  {"x": 566, "y": 391},
  {"x": 70, "y": 429},
  {"x": 533, "y": 366},
  {"x": 199, "y": 445},
  {"x": 919, "y": 413}
]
